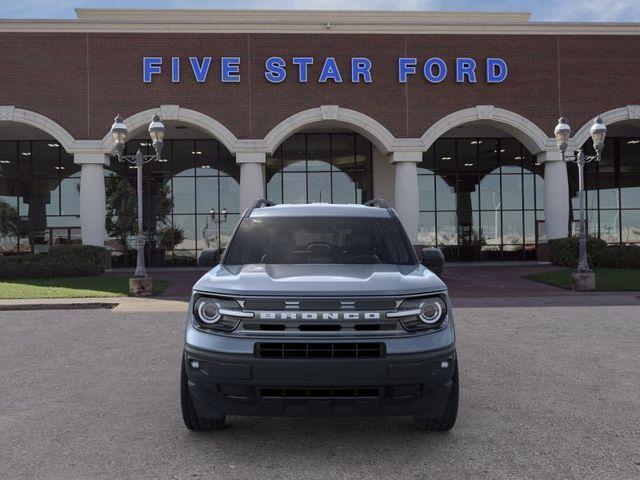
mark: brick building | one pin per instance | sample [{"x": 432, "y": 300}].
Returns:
[{"x": 449, "y": 116}]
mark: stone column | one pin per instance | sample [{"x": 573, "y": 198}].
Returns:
[
  {"x": 92, "y": 196},
  {"x": 251, "y": 177},
  {"x": 556, "y": 194},
  {"x": 406, "y": 191}
]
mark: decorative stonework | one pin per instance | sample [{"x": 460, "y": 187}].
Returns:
[
  {"x": 485, "y": 111},
  {"x": 169, "y": 112},
  {"x": 6, "y": 112},
  {"x": 382, "y": 138},
  {"x": 527, "y": 132},
  {"x": 329, "y": 112},
  {"x": 634, "y": 112}
]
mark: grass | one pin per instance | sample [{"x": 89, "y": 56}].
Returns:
[
  {"x": 71, "y": 287},
  {"x": 607, "y": 279}
]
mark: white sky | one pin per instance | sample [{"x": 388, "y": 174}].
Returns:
[{"x": 542, "y": 10}]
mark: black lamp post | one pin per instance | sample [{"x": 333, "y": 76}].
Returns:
[
  {"x": 156, "y": 132},
  {"x": 598, "y": 132}
]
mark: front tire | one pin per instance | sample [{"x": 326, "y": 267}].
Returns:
[
  {"x": 447, "y": 420},
  {"x": 189, "y": 415}
]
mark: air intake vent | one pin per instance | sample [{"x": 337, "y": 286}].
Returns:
[
  {"x": 319, "y": 350},
  {"x": 310, "y": 393}
]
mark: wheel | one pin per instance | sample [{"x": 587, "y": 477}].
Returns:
[
  {"x": 448, "y": 418},
  {"x": 191, "y": 419}
]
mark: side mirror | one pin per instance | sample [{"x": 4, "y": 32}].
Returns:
[
  {"x": 209, "y": 257},
  {"x": 433, "y": 259}
]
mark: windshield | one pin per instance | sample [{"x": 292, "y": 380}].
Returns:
[{"x": 324, "y": 240}]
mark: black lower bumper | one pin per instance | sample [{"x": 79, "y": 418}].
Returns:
[{"x": 233, "y": 384}]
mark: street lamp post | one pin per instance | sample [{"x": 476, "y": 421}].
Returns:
[
  {"x": 583, "y": 278},
  {"x": 119, "y": 133}
]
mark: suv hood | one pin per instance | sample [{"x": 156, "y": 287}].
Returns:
[{"x": 319, "y": 280}]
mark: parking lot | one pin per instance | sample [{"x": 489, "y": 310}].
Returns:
[{"x": 545, "y": 393}]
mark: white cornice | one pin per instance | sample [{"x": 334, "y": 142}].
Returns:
[{"x": 297, "y": 21}]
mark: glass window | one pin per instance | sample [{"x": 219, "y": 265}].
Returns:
[
  {"x": 426, "y": 187},
  {"x": 319, "y": 153},
  {"x": 294, "y": 188},
  {"x": 206, "y": 195},
  {"x": 445, "y": 156},
  {"x": 447, "y": 228},
  {"x": 183, "y": 195},
  {"x": 321, "y": 240},
  {"x": 610, "y": 225},
  {"x": 274, "y": 188},
  {"x": 487, "y": 155},
  {"x": 630, "y": 226},
  {"x": 320, "y": 186},
  {"x": 70, "y": 196},
  {"x": 427, "y": 164},
  {"x": 427, "y": 228},
  {"x": 363, "y": 153},
  {"x": 511, "y": 155},
  {"x": 294, "y": 153},
  {"x": 183, "y": 154},
  {"x": 342, "y": 151},
  {"x": 512, "y": 192},
  {"x": 512, "y": 231},
  {"x": 445, "y": 194},
  {"x": 467, "y": 154}
]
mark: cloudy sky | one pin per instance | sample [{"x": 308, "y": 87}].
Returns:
[{"x": 542, "y": 10}]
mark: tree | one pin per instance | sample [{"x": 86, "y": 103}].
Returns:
[{"x": 122, "y": 208}]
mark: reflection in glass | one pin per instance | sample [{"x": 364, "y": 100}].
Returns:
[
  {"x": 320, "y": 167},
  {"x": 630, "y": 223},
  {"x": 496, "y": 201}
]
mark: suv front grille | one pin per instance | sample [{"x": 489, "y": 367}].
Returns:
[
  {"x": 319, "y": 350},
  {"x": 326, "y": 304}
]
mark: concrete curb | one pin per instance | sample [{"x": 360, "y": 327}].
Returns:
[{"x": 57, "y": 306}]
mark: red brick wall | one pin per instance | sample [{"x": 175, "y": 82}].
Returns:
[{"x": 82, "y": 80}]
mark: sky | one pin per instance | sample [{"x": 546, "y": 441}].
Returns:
[{"x": 542, "y": 10}]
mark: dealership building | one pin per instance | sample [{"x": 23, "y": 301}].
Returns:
[{"x": 448, "y": 116}]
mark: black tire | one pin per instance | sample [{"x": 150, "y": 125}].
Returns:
[
  {"x": 445, "y": 422},
  {"x": 191, "y": 419}
]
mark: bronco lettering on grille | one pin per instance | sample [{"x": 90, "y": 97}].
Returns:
[{"x": 319, "y": 315}]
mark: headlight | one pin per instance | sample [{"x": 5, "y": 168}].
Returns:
[
  {"x": 208, "y": 310},
  {"x": 217, "y": 314},
  {"x": 421, "y": 313},
  {"x": 431, "y": 311}
]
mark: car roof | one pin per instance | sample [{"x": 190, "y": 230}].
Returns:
[{"x": 321, "y": 210}]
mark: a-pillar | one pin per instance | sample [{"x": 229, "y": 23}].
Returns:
[
  {"x": 251, "y": 177},
  {"x": 556, "y": 194},
  {"x": 92, "y": 196},
  {"x": 406, "y": 190}
]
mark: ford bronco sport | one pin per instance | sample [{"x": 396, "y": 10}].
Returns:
[{"x": 319, "y": 310}]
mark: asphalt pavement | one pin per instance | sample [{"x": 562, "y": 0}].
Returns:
[{"x": 546, "y": 392}]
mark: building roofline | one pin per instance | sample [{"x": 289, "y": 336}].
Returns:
[{"x": 310, "y": 21}]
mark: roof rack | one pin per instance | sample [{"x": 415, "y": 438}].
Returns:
[
  {"x": 377, "y": 202},
  {"x": 263, "y": 202}
]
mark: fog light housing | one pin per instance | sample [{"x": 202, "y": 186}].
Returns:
[
  {"x": 194, "y": 364},
  {"x": 444, "y": 364}
]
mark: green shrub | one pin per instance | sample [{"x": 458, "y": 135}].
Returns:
[
  {"x": 61, "y": 261},
  {"x": 618, "y": 256},
  {"x": 565, "y": 252}
]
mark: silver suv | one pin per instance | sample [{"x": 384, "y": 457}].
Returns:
[{"x": 319, "y": 310}]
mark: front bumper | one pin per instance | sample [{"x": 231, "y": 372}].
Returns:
[{"x": 397, "y": 384}]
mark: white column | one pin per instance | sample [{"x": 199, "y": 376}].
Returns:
[
  {"x": 92, "y": 197},
  {"x": 251, "y": 177},
  {"x": 406, "y": 191},
  {"x": 556, "y": 194}
]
